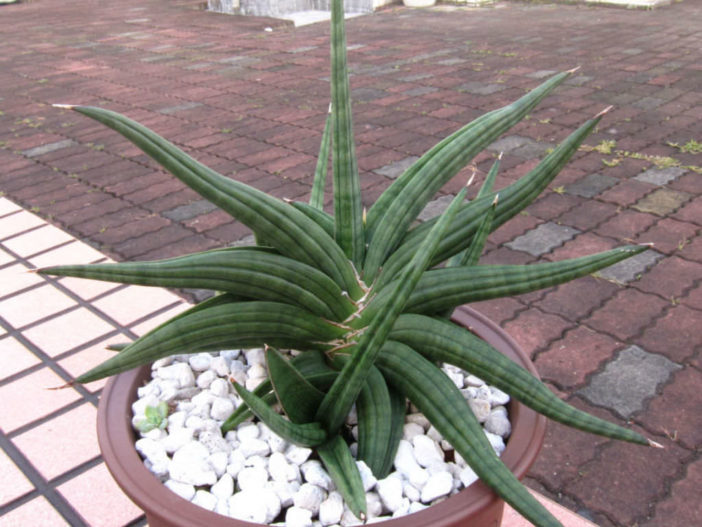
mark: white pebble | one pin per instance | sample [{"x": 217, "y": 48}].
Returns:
[
  {"x": 224, "y": 488},
  {"x": 331, "y": 509},
  {"x": 238, "y": 377},
  {"x": 279, "y": 468},
  {"x": 257, "y": 461},
  {"x": 416, "y": 507},
  {"x": 298, "y": 517},
  {"x": 285, "y": 491},
  {"x": 390, "y": 491},
  {"x": 214, "y": 441},
  {"x": 367, "y": 476},
  {"x": 263, "y": 431},
  {"x": 200, "y": 362},
  {"x": 456, "y": 378},
  {"x": 410, "y": 491},
  {"x": 374, "y": 506},
  {"x": 155, "y": 434},
  {"x": 501, "y": 410},
  {"x": 177, "y": 438},
  {"x": 179, "y": 372},
  {"x": 496, "y": 441},
  {"x": 255, "y": 356},
  {"x": 434, "y": 434},
  {"x": 219, "y": 366},
  {"x": 498, "y": 397},
  {"x": 273, "y": 505},
  {"x": 297, "y": 454},
  {"x": 237, "y": 366},
  {"x": 190, "y": 465},
  {"x": 222, "y": 507},
  {"x": 314, "y": 473},
  {"x": 420, "y": 419},
  {"x": 202, "y": 400},
  {"x": 229, "y": 355},
  {"x": 205, "y": 500},
  {"x": 247, "y": 431},
  {"x": 277, "y": 443},
  {"x": 309, "y": 497},
  {"x": 219, "y": 461},
  {"x": 248, "y": 505},
  {"x": 153, "y": 451},
  {"x": 470, "y": 392},
  {"x": 403, "y": 509},
  {"x": 252, "y": 478},
  {"x": 221, "y": 409},
  {"x": 472, "y": 380},
  {"x": 468, "y": 476},
  {"x": 204, "y": 380},
  {"x": 439, "y": 484},
  {"x": 254, "y": 447},
  {"x": 483, "y": 392},
  {"x": 219, "y": 387},
  {"x": 236, "y": 463},
  {"x": 253, "y": 382},
  {"x": 352, "y": 417},
  {"x": 426, "y": 451},
  {"x": 410, "y": 430},
  {"x": 160, "y": 363},
  {"x": 177, "y": 420},
  {"x": 170, "y": 391},
  {"x": 498, "y": 424},
  {"x": 407, "y": 465},
  {"x": 480, "y": 408},
  {"x": 257, "y": 371},
  {"x": 184, "y": 490}
]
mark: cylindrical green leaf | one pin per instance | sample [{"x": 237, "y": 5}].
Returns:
[
  {"x": 396, "y": 209},
  {"x": 248, "y": 272},
  {"x": 339, "y": 399},
  {"x": 512, "y": 200},
  {"x": 442, "y": 341},
  {"x": 226, "y": 326},
  {"x": 303, "y": 434},
  {"x": 449, "y": 287},
  {"x": 291, "y": 232},
  {"x": 341, "y": 466},
  {"x": 438, "y": 398}
]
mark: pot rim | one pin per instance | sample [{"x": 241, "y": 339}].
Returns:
[{"x": 116, "y": 439}]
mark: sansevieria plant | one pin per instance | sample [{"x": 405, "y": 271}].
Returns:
[{"x": 362, "y": 296}]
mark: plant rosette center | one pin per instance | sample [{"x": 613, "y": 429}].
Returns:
[{"x": 252, "y": 474}]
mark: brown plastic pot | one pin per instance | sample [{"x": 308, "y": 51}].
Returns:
[{"x": 476, "y": 506}]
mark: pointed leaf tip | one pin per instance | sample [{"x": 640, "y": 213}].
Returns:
[
  {"x": 471, "y": 178},
  {"x": 576, "y": 68},
  {"x": 654, "y": 444},
  {"x": 63, "y": 386},
  {"x": 64, "y": 106},
  {"x": 500, "y": 156},
  {"x": 603, "y": 112}
]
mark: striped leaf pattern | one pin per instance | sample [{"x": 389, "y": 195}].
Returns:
[{"x": 364, "y": 297}]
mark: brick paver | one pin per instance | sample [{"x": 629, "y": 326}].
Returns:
[{"x": 251, "y": 103}]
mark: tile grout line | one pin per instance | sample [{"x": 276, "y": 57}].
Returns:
[{"x": 43, "y": 488}]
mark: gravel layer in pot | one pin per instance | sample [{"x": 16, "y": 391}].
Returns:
[{"x": 386, "y": 498}]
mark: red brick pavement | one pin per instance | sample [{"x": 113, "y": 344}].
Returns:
[{"x": 251, "y": 103}]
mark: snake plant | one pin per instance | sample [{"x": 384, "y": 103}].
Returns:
[{"x": 362, "y": 297}]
